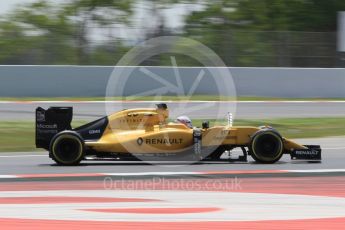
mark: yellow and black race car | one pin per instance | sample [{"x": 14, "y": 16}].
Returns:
[{"x": 145, "y": 133}]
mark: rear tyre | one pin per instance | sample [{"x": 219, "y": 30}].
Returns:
[
  {"x": 67, "y": 148},
  {"x": 266, "y": 146}
]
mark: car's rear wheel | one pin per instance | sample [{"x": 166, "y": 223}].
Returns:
[
  {"x": 266, "y": 146},
  {"x": 67, "y": 148}
]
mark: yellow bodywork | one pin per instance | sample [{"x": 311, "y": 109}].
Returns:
[{"x": 147, "y": 131}]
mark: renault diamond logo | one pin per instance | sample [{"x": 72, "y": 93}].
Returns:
[{"x": 140, "y": 141}]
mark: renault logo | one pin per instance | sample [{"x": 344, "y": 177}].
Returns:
[{"x": 140, "y": 141}]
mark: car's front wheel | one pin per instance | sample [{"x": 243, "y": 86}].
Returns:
[
  {"x": 67, "y": 148},
  {"x": 266, "y": 146}
]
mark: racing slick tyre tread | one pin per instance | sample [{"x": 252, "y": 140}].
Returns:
[
  {"x": 67, "y": 148},
  {"x": 266, "y": 146}
]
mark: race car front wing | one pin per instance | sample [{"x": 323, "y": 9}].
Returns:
[{"x": 312, "y": 152}]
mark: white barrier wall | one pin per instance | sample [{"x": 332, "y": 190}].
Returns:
[{"x": 89, "y": 81}]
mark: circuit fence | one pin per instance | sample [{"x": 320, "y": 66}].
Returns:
[
  {"x": 273, "y": 49},
  {"x": 237, "y": 48}
]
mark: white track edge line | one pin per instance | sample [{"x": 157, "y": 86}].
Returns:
[
  {"x": 184, "y": 173},
  {"x": 19, "y": 156}
]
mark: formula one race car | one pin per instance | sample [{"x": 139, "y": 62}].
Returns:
[{"x": 146, "y": 134}]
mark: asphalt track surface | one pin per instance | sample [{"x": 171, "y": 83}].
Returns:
[{"x": 253, "y": 110}]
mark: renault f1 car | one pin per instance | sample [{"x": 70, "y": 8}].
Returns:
[{"x": 146, "y": 133}]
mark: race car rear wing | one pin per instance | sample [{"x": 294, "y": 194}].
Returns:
[{"x": 50, "y": 122}]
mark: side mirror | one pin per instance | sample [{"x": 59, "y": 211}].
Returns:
[{"x": 205, "y": 124}]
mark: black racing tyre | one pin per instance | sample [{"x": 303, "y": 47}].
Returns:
[
  {"x": 67, "y": 148},
  {"x": 266, "y": 146}
]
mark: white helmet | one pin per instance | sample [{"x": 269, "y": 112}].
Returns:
[{"x": 185, "y": 120}]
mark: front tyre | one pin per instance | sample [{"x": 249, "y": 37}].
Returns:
[
  {"x": 67, "y": 148},
  {"x": 266, "y": 146}
]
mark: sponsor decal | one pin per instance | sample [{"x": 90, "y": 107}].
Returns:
[
  {"x": 307, "y": 152},
  {"x": 42, "y": 126},
  {"x": 97, "y": 131},
  {"x": 312, "y": 154},
  {"x": 170, "y": 141},
  {"x": 131, "y": 120},
  {"x": 140, "y": 141},
  {"x": 136, "y": 122},
  {"x": 222, "y": 135}
]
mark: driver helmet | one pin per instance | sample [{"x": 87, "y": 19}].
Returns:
[{"x": 185, "y": 120}]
